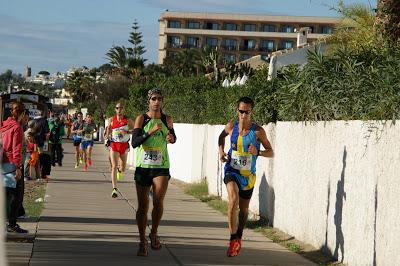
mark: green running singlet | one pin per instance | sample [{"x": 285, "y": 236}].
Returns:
[{"x": 153, "y": 153}]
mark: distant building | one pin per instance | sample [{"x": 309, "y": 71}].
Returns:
[
  {"x": 28, "y": 72},
  {"x": 237, "y": 36},
  {"x": 57, "y": 80}
]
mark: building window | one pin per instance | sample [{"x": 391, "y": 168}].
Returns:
[
  {"x": 174, "y": 42},
  {"x": 244, "y": 57},
  {"x": 174, "y": 24},
  {"x": 287, "y": 44},
  {"x": 249, "y": 45},
  {"x": 269, "y": 28},
  {"x": 212, "y": 26},
  {"x": 250, "y": 27},
  {"x": 193, "y": 42},
  {"x": 193, "y": 25},
  {"x": 287, "y": 28},
  {"x": 230, "y": 26},
  {"x": 267, "y": 45},
  {"x": 230, "y": 58},
  {"x": 326, "y": 30},
  {"x": 212, "y": 42},
  {"x": 230, "y": 44}
]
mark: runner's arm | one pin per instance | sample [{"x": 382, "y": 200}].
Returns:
[
  {"x": 138, "y": 135},
  {"x": 262, "y": 137},
  {"x": 131, "y": 125},
  {"x": 171, "y": 137},
  {"x": 221, "y": 141},
  {"x": 108, "y": 131}
]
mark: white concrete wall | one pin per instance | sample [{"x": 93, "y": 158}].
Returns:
[
  {"x": 334, "y": 185},
  {"x": 338, "y": 189}
]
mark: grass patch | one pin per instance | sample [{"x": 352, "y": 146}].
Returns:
[
  {"x": 33, "y": 191},
  {"x": 200, "y": 191}
]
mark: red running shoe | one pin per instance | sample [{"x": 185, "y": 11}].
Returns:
[
  {"x": 234, "y": 247},
  {"x": 89, "y": 161},
  {"x": 85, "y": 168}
]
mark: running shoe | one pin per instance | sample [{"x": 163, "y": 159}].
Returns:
[
  {"x": 80, "y": 160},
  {"x": 76, "y": 165},
  {"x": 85, "y": 168},
  {"x": 120, "y": 175},
  {"x": 16, "y": 229},
  {"x": 234, "y": 247},
  {"x": 89, "y": 161},
  {"x": 114, "y": 193},
  {"x": 143, "y": 250}
]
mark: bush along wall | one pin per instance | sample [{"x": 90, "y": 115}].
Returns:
[{"x": 344, "y": 85}]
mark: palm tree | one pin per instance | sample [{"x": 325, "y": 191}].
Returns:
[{"x": 119, "y": 57}]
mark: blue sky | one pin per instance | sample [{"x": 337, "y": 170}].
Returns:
[{"x": 56, "y": 35}]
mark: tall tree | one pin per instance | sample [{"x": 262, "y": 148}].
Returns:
[
  {"x": 136, "y": 39},
  {"x": 388, "y": 19},
  {"x": 129, "y": 60}
]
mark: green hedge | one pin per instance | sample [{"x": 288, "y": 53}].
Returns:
[{"x": 342, "y": 86}]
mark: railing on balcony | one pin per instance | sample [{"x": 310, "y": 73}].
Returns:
[
  {"x": 265, "y": 49},
  {"x": 174, "y": 45},
  {"x": 229, "y": 47},
  {"x": 182, "y": 46},
  {"x": 247, "y": 48}
]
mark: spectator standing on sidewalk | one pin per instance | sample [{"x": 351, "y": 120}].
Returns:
[
  {"x": 55, "y": 141},
  {"x": 12, "y": 138}
]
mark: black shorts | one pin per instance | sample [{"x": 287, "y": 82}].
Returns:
[
  {"x": 244, "y": 194},
  {"x": 77, "y": 142},
  {"x": 45, "y": 164},
  {"x": 144, "y": 176}
]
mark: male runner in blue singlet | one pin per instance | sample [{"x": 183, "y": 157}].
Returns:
[{"x": 240, "y": 167}]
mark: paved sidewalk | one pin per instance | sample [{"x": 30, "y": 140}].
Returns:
[{"x": 82, "y": 225}]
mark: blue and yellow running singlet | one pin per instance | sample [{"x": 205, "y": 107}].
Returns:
[{"x": 241, "y": 163}]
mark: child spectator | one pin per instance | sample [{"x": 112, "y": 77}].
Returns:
[{"x": 32, "y": 157}]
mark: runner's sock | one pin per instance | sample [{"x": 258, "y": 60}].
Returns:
[{"x": 239, "y": 233}]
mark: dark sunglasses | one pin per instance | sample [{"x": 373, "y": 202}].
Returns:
[
  {"x": 119, "y": 107},
  {"x": 244, "y": 111},
  {"x": 156, "y": 98}
]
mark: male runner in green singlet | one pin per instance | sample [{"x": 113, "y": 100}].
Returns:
[{"x": 152, "y": 132}]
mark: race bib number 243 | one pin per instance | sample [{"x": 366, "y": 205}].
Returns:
[{"x": 152, "y": 157}]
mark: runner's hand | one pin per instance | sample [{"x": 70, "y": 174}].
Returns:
[
  {"x": 223, "y": 157},
  {"x": 252, "y": 149},
  {"x": 170, "y": 138},
  {"x": 155, "y": 128}
]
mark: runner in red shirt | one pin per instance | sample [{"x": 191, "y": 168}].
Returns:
[{"x": 119, "y": 132}]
